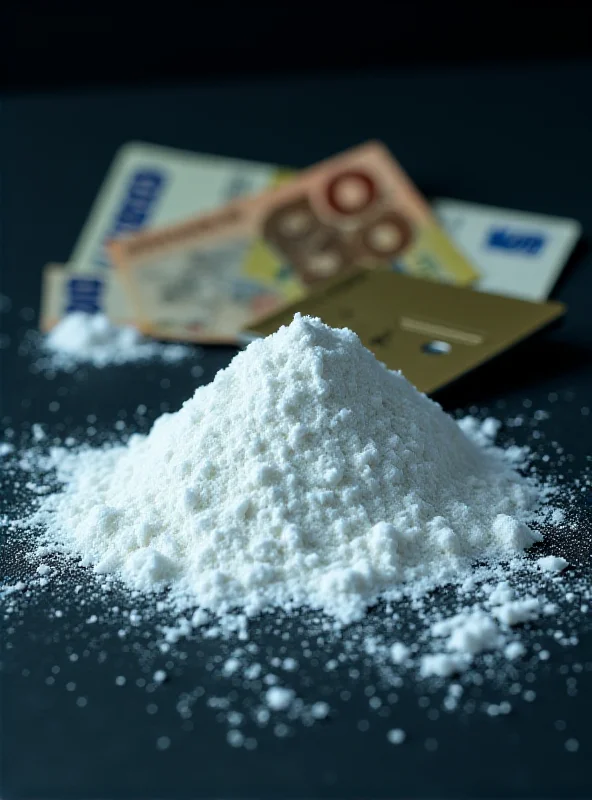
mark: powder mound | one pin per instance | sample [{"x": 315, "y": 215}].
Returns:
[
  {"x": 92, "y": 338},
  {"x": 306, "y": 473}
]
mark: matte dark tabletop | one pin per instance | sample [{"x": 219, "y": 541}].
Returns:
[{"x": 514, "y": 137}]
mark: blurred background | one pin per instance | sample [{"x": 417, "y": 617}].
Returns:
[{"x": 48, "y": 45}]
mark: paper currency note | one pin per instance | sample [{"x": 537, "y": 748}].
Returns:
[
  {"x": 206, "y": 278},
  {"x": 149, "y": 185},
  {"x": 517, "y": 253},
  {"x": 65, "y": 290}
]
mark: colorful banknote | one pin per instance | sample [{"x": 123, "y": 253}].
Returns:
[{"x": 206, "y": 278}]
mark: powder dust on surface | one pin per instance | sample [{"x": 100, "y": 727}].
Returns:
[
  {"x": 81, "y": 338},
  {"x": 307, "y": 475}
]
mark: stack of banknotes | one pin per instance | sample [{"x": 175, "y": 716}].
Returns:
[{"x": 200, "y": 248}]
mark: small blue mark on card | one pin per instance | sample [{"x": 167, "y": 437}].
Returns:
[{"x": 530, "y": 244}]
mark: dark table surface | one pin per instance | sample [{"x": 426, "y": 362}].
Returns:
[{"x": 515, "y": 137}]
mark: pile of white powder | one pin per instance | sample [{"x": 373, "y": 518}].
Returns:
[
  {"x": 93, "y": 339},
  {"x": 305, "y": 474},
  {"x": 309, "y": 475}
]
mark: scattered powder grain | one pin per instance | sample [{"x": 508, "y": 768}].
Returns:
[
  {"x": 91, "y": 338},
  {"x": 396, "y": 736}
]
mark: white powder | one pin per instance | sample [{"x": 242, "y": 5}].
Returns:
[
  {"x": 514, "y": 650},
  {"x": 551, "y": 564},
  {"x": 469, "y": 633},
  {"x": 278, "y": 698},
  {"x": 306, "y": 473},
  {"x": 320, "y": 709},
  {"x": 38, "y": 433},
  {"x": 199, "y": 618},
  {"x": 443, "y": 665},
  {"x": 399, "y": 653},
  {"x": 231, "y": 666},
  {"x": 502, "y": 593},
  {"x": 163, "y": 743},
  {"x": 91, "y": 338},
  {"x": 396, "y": 736},
  {"x": 517, "y": 611},
  {"x": 252, "y": 672},
  {"x": 477, "y": 630}
]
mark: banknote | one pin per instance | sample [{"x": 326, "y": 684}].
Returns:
[
  {"x": 208, "y": 277},
  {"x": 149, "y": 185},
  {"x": 65, "y": 289},
  {"x": 518, "y": 254}
]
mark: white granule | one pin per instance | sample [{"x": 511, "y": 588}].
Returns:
[
  {"x": 470, "y": 633},
  {"x": 262, "y": 716},
  {"x": 443, "y": 665},
  {"x": 306, "y": 473},
  {"x": 320, "y": 709},
  {"x": 15, "y": 587},
  {"x": 163, "y": 743},
  {"x": 518, "y": 611},
  {"x": 231, "y": 666},
  {"x": 279, "y": 698},
  {"x": 396, "y": 736},
  {"x": 91, "y": 338},
  {"x": 514, "y": 650},
  {"x": 38, "y": 433},
  {"x": 490, "y": 427},
  {"x": 557, "y": 515},
  {"x": 252, "y": 672},
  {"x": 199, "y": 618},
  {"x": 159, "y": 676},
  {"x": 6, "y": 449},
  {"x": 235, "y": 738},
  {"x": 551, "y": 564},
  {"x": 572, "y": 745},
  {"x": 501, "y": 593},
  {"x": 481, "y": 432},
  {"x": 399, "y": 653}
]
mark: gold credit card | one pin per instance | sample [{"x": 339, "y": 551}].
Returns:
[
  {"x": 208, "y": 278},
  {"x": 432, "y": 332}
]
